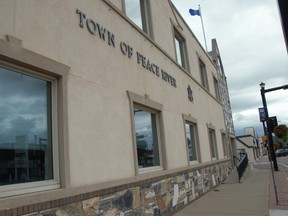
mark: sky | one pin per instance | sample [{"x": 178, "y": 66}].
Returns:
[{"x": 252, "y": 48}]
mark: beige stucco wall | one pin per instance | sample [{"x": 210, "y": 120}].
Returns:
[
  {"x": 99, "y": 125},
  {"x": 251, "y": 152}
]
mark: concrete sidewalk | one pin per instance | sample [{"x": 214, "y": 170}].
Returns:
[
  {"x": 254, "y": 196},
  {"x": 281, "y": 181},
  {"x": 250, "y": 197}
]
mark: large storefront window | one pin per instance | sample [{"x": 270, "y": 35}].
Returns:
[
  {"x": 146, "y": 138},
  {"x": 25, "y": 128}
]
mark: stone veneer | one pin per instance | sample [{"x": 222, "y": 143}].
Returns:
[{"x": 161, "y": 197}]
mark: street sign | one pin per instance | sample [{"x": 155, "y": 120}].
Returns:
[
  {"x": 264, "y": 138},
  {"x": 262, "y": 114},
  {"x": 273, "y": 123}
]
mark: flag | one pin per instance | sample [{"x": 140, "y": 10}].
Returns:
[{"x": 195, "y": 12}]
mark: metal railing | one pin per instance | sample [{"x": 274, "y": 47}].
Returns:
[{"x": 242, "y": 166}]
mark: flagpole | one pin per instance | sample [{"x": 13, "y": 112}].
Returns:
[{"x": 203, "y": 28}]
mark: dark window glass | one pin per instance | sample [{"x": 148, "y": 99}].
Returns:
[
  {"x": 146, "y": 137},
  {"x": 25, "y": 128},
  {"x": 180, "y": 51},
  {"x": 203, "y": 74},
  {"x": 213, "y": 145},
  {"x": 225, "y": 148},
  {"x": 216, "y": 86},
  {"x": 191, "y": 141}
]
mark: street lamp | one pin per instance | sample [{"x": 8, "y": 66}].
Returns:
[{"x": 269, "y": 132}]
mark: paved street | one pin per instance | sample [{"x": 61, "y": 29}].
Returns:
[{"x": 265, "y": 164}]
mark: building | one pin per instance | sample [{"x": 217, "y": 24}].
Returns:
[
  {"x": 222, "y": 93},
  {"x": 283, "y": 11},
  {"x": 107, "y": 107},
  {"x": 250, "y": 131},
  {"x": 249, "y": 145}
]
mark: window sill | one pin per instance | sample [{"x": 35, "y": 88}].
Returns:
[{"x": 150, "y": 169}]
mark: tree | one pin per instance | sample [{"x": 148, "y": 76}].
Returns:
[{"x": 281, "y": 131}]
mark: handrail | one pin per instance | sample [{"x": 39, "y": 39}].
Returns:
[{"x": 242, "y": 166}]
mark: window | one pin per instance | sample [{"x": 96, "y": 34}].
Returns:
[
  {"x": 146, "y": 138},
  {"x": 213, "y": 144},
  {"x": 147, "y": 132},
  {"x": 225, "y": 145},
  {"x": 203, "y": 74},
  {"x": 32, "y": 114},
  {"x": 216, "y": 87},
  {"x": 180, "y": 50},
  {"x": 192, "y": 141},
  {"x": 138, "y": 12},
  {"x": 26, "y": 144},
  {"x": 220, "y": 66}
]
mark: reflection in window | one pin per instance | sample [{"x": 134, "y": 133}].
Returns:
[
  {"x": 216, "y": 86},
  {"x": 213, "y": 144},
  {"x": 203, "y": 75},
  {"x": 25, "y": 128},
  {"x": 180, "y": 50},
  {"x": 225, "y": 146},
  {"x": 220, "y": 66},
  {"x": 146, "y": 137},
  {"x": 136, "y": 10},
  {"x": 190, "y": 129}
]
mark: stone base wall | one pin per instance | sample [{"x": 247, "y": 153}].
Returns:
[{"x": 162, "y": 197}]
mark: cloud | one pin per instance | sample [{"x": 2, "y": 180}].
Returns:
[
  {"x": 239, "y": 117},
  {"x": 252, "y": 48},
  {"x": 23, "y": 106}
]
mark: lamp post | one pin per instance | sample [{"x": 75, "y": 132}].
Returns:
[{"x": 269, "y": 132}]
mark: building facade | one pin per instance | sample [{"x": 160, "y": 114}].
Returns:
[
  {"x": 248, "y": 144},
  {"x": 222, "y": 93},
  {"x": 283, "y": 11},
  {"x": 107, "y": 108}
]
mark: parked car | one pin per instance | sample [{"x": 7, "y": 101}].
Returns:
[{"x": 281, "y": 152}]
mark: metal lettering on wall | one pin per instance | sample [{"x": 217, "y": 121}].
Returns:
[{"x": 93, "y": 27}]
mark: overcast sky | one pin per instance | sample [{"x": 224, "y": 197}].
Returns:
[{"x": 252, "y": 48}]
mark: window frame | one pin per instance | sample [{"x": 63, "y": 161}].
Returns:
[
  {"x": 220, "y": 66},
  {"x": 145, "y": 15},
  {"x": 54, "y": 183},
  {"x": 225, "y": 144},
  {"x": 14, "y": 57},
  {"x": 148, "y": 105},
  {"x": 182, "y": 49},
  {"x": 203, "y": 74},
  {"x": 192, "y": 121},
  {"x": 216, "y": 87},
  {"x": 213, "y": 142}
]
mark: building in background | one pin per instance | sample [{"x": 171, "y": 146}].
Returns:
[
  {"x": 250, "y": 131},
  {"x": 222, "y": 93},
  {"x": 107, "y": 107},
  {"x": 249, "y": 142},
  {"x": 283, "y": 12}
]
